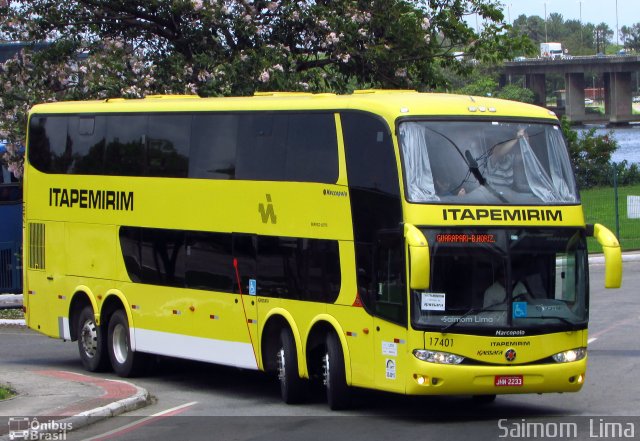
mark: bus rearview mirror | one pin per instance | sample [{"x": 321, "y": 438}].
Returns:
[{"x": 612, "y": 254}]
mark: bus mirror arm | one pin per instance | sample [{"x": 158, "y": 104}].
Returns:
[
  {"x": 612, "y": 254},
  {"x": 419, "y": 258}
]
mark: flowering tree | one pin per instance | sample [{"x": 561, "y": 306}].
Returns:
[{"x": 106, "y": 48}]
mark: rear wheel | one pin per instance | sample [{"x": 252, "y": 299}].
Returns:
[
  {"x": 292, "y": 387},
  {"x": 124, "y": 361},
  {"x": 92, "y": 344},
  {"x": 338, "y": 393}
]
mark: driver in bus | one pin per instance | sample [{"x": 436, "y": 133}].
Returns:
[
  {"x": 501, "y": 161},
  {"x": 496, "y": 294}
]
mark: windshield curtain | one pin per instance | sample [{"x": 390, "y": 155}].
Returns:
[
  {"x": 504, "y": 278},
  {"x": 486, "y": 162}
]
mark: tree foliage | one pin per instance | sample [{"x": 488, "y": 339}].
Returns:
[
  {"x": 109, "y": 48},
  {"x": 590, "y": 156}
]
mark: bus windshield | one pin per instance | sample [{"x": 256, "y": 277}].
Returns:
[
  {"x": 486, "y": 162},
  {"x": 504, "y": 278}
]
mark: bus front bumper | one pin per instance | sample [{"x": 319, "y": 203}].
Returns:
[{"x": 438, "y": 379}]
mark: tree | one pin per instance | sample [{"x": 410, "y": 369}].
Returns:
[
  {"x": 108, "y": 48},
  {"x": 631, "y": 37},
  {"x": 603, "y": 35}
]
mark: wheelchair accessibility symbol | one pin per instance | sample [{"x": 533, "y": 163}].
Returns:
[{"x": 519, "y": 309}]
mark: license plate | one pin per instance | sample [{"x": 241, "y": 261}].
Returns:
[{"x": 508, "y": 380}]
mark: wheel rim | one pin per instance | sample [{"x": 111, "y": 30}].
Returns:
[
  {"x": 89, "y": 338},
  {"x": 281, "y": 365},
  {"x": 120, "y": 346},
  {"x": 325, "y": 370}
]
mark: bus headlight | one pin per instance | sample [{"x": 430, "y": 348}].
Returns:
[
  {"x": 437, "y": 357},
  {"x": 569, "y": 356}
]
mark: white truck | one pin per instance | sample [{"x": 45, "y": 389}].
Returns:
[{"x": 551, "y": 50}]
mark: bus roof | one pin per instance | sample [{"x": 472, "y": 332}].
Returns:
[{"x": 389, "y": 103}]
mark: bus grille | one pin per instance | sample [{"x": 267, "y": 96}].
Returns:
[{"x": 36, "y": 246}]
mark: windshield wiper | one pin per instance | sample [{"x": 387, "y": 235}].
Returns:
[{"x": 473, "y": 167}]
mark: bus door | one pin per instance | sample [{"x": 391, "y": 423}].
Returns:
[
  {"x": 390, "y": 312},
  {"x": 245, "y": 268}
]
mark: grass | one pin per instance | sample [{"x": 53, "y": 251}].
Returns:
[
  {"x": 11, "y": 314},
  {"x": 5, "y": 393},
  {"x": 599, "y": 208}
]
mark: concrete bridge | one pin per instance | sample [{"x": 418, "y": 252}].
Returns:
[{"x": 616, "y": 71}]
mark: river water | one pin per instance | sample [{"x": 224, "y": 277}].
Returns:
[{"x": 628, "y": 142}]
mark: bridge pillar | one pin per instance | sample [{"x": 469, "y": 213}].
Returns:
[
  {"x": 535, "y": 83},
  {"x": 617, "y": 97},
  {"x": 574, "y": 100}
]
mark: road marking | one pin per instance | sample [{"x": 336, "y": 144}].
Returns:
[
  {"x": 143, "y": 422},
  {"x": 612, "y": 327},
  {"x": 591, "y": 340}
]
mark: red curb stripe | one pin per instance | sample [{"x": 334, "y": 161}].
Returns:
[{"x": 112, "y": 391}]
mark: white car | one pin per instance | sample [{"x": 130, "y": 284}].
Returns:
[{"x": 588, "y": 101}]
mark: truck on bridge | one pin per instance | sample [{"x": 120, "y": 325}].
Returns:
[{"x": 551, "y": 50}]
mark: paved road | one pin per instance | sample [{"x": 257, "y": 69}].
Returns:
[{"x": 210, "y": 402}]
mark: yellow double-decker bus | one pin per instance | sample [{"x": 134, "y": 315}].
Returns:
[{"x": 400, "y": 241}]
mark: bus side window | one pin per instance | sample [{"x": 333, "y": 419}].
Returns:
[{"x": 390, "y": 278}]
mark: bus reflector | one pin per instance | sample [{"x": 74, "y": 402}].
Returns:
[{"x": 357, "y": 302}]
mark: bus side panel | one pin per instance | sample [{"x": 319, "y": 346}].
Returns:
[
  {"x": 91, "y": 250},
  {"x": 45, "y": 295},
  {"x": 194, "y": 324}
]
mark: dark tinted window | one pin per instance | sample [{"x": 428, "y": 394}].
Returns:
[
  {"x": 373, "y": 176},
  {"x": 312, "y": 149},
  {"x": 214, "y": 138},
  {"x": 88, "y": 141},
  {"x": 303, "y": 269},
  {"x": 49, "y": 150},
  {"x": 210, "y": 262},
  {"x": 390, "y": 298},
  {"x": 283, "y": 267},
  {"x": 245, "y": 255},
  {"x": 371, "y": 160},
  {"x": 251, "y": 145},
  {"x": 288, "y": 147},
  {"x": 261, "y": 151},
  {"x": 125, "y": 149},
  {"x": 163, "y": 257},
  {"x": 168, "y": 139},
  {"x": 130, "y": 241}
]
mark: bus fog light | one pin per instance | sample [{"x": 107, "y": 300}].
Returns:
[
  {"x": 437, "y": 357},
  {"x": 421, "y": 379},
  {"x": 571, "y": 355}
]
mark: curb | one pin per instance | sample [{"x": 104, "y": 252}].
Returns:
[{"x": 83, "y": 419}]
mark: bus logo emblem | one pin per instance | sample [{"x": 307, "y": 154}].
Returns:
[
  {"x": 510, "y": 355},
  {"x": 267, "y": 213}
]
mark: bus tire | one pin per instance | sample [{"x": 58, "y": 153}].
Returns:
[
  {"x": 92, "y": 344},
  {"x": 292, "y": 387},
  {"x": 124, "y": 361},
  {"x": 338, "y": 393}
]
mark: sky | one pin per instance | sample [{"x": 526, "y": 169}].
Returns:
[{"x": 593, "y": 11}]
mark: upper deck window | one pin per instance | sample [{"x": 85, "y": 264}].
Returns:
[
  {"x": 259, "y": 146},
  {"x": 484, "y": 162}
]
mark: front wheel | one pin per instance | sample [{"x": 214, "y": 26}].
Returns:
[
  {"x": 338, "y": 393},
  {"x": 124, "y": 361},
  {"x": 92, "y": 344},
  {"x": 291, "y": 385}
]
